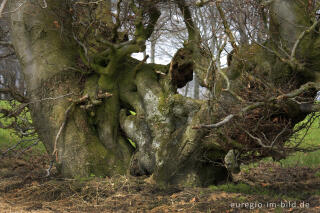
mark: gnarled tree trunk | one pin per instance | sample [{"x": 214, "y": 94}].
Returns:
[{"x": 85, "y": 118}]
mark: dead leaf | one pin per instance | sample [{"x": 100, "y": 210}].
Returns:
[
  {"x": 56, "y": 23},
  {"x": 193, "y": 200}
]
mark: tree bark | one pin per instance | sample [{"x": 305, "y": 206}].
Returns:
[{"x": 46, "y": 50}]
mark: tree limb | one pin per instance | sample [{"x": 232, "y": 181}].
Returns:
[
  {"x": 193, "y": 32},
  {"x": 226, "y": 26},
  {"x": 292, "y": 94},
  {"x": 201, "y": 3},
  {"x": 301, "y": 36},
  {"x": 15, "y": 94}
]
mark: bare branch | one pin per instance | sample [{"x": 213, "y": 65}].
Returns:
[
  {"x": 16, "y": 145},
  {"x": 301, "y": 36},
  {"x": 28, "y": 147},
  {"x": 48, "y": 171},
  {"x": 258, "y": 140},
  {"x": 87, "y": 3},
  {"x": 267, "y": 3},
  {"x": 52, "y": 98},
  {"x": 201, "y": 3},
  {"x": 3, "y": 4},
  {"x": 216, "y": 125},
  {"x": 15, "y": 94},
  {"x": 7, "y": 55},
  {"x": 193, "y": 32},
  {"x": 45, "y": 4},
  {"x": 227, "y": 27},
  {"x": 292, "y": 94},
  {"x": 6, "y": 43},
  {"x": 66, "y": 114}
]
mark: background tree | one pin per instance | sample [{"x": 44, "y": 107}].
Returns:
[
  {"x": 83, "y": 87},
  {"x": 13, "y": 111}
]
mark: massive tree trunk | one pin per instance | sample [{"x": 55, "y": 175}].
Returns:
[
  {"x": 48, "y": 55},
  {"x": 85, "y": 118}
]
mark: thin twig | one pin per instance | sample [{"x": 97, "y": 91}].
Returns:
[
  {"x": 227, "y": 26},
  {"x": 16, "y": 145},
  {"x": 292, "y": 94},
  {"x": 45, "y": 4},
  {"x": 87, "y": 3},
  {"x": 49, "y": 169},
  {"x": 51, "y": 98},
  {"x": 216, "y": 125},
  {"x": 66, "y": 114},
  {"x": 27, "y": 148}
]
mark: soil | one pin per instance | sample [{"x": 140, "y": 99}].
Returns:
[{"x": 24, "y": 188}]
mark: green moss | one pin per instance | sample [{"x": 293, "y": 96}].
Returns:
[
  {"x": 91, "y": 85},
  {"x": 167, "y": 102},
  {"x": 107, "y": 83},
  {"x": 178, "y": 98},
  {"x": 99, "y": 159},
  {"x": 108, "y": 162},
  {"x": 164, "y": 104}
]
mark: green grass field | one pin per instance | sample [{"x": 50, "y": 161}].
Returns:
[{"x": 311, "y": 159}]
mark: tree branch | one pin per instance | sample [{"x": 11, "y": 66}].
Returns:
[
  {"x": 3, "y": 4},
  {"x": 66, "y": 115},
  {"x": 137, "y": 44},
  {"x": 15, "y": 94},
  {"x": 201, "y": 3},
  {"x": 298, "y": 41},
  {"x": 292, "y": 94},
  {"x": 226, "y": 26},
  {"x": 193, "y": 32}
]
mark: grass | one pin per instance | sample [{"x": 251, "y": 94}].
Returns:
[
  {"x": 311, "y": 159},
  {"x": 6, "y": 136}
]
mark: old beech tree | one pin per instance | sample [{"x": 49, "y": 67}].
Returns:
[{"x": 83, "y": 83}]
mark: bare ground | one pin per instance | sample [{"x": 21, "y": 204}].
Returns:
[{"x": 23, "y": 189}]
